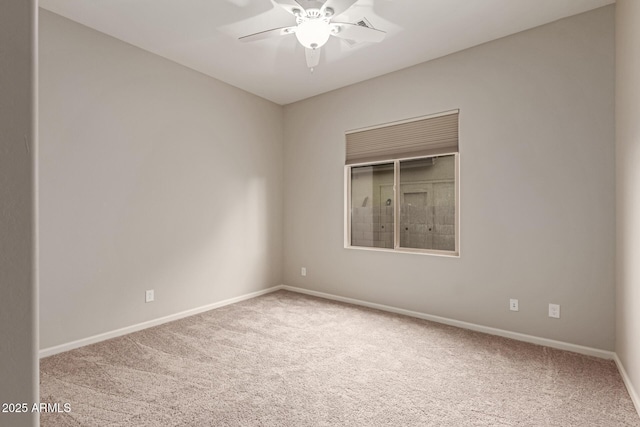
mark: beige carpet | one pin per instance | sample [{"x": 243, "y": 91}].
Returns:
[{"x": 285, "y": 359}]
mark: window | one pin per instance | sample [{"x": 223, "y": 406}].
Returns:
[{"x": 402, "y": 186}]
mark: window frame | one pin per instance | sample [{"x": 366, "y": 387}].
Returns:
[{"x": 348, "y": 209}]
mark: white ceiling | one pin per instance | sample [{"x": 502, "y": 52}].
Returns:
[{"x": 203, "y": 35}]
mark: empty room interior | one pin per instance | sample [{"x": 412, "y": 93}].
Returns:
[{"x": 208, "y": 223}]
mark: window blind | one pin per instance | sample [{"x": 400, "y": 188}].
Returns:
[{"x": 422, "y": 137}]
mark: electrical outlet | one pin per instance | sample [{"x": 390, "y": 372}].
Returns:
[
  {"x": 149, "y": 296},
  {"x": 513, "y": 304},
  {"x": 303, "y": 271},
  {"x": 554, "y": 310}
]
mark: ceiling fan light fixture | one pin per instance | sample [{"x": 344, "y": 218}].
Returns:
[
  {"x": 314, "y": 27},
  {"x": 313, "y": 33}
]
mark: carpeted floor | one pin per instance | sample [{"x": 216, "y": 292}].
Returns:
[{"x": 286, "y": 359}]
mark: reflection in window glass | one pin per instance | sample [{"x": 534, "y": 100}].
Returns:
[
  {"x": 427, "y": 203},
  {"x": 372, "y": 206}
]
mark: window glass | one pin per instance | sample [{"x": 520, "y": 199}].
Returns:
[
  {"x": 427, "y": 203},
  {"x": 372, "y": 206}
]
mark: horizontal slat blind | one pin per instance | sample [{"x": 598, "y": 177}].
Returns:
[{"x": 422, "y": 137}]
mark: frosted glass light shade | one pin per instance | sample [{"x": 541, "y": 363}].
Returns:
[{"x": 313, "y": 33}]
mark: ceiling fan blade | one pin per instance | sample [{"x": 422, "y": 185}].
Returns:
[
  {"x": 289, "y": 5},
  {"x": 276, "y": 32},
  {"x": 357, "y": 33},
  {"x": 338, "y": 6},
  {"x": 313, "y": 57}
]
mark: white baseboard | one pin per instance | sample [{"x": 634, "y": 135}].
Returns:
[
  {"x": 603, "y": 354},
  {"x": 635, "y": 397},
  {"x": 50, "y": 351}
]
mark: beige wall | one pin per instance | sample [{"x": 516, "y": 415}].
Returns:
[
  {"x": 537, "y": 184},
  {"x": 152, "y": 176},
  {"x": 628, "y": 189},
  {"x": 18, "y": 144}
]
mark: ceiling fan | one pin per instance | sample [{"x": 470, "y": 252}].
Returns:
[{"x": 314, "y": 26}]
